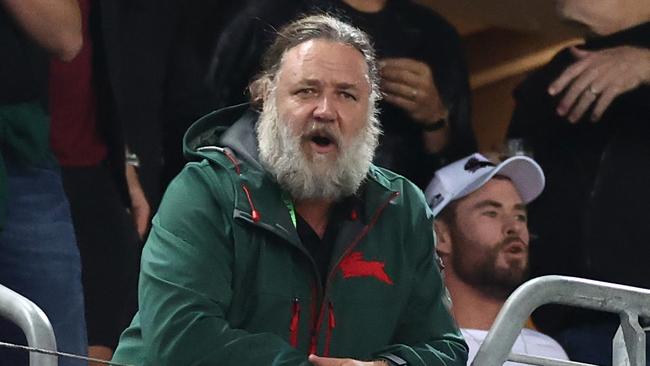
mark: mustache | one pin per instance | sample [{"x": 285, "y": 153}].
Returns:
[
  {"x": 320, "y": 129},
  {"x": 513, "y": 240}
]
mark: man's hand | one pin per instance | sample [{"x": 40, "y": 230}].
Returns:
[
  {"x": 140, "y": 209},
  {"x": 409, "y": 84},
  {"x": 330, "y": 361},
  {"x": 598, "y": 77}
]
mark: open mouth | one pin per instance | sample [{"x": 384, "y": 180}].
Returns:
[
  {"x": 515, "y": 246},
  {"x": 322, "y": 141},
  {"x": 515, "y": 249}
]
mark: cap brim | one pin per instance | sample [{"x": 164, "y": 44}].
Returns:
[{"x": 526, "y": 175}]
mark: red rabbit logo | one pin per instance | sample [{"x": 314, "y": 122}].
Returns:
[{"x": 354, "y": 265}]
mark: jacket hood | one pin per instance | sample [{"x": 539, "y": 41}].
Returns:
[{"x": 217, "y": 129}]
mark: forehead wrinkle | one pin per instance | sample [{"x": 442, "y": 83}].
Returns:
[
  {"x": 342, "y": 85},
  {"x": 308, "y": 64}
]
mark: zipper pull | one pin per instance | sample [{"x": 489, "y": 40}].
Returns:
[{"x": 255, "y": 215}]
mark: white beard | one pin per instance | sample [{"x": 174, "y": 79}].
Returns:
[{"x": 317, "y": 177}]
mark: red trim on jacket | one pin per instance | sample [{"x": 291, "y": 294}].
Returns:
[
  {"x": 255, "y": 215},
  {"x": 295, "y": 322},
  {"x": 331, "y": 324}
]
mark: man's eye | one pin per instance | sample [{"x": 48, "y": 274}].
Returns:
[
  {"x": 305, "y": 92},
  {"x": 347, "y": 95},
  {"x": 522, "y": 218},
  {"x": 490, "y": 213}
]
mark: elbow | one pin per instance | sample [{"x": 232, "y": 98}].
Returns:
[{"x": 69, "y": 46}]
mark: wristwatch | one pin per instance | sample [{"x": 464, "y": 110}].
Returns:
[
  {"x": 435, "y": 126},
  {"x": 132, "y": 159}
]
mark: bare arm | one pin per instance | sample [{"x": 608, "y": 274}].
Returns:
[
  {"x": 54, "y": 24},
  {"x": 329, "y": 361},
  {"x": 140, "y": 208}
]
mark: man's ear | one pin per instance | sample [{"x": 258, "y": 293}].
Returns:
[
  {"x": 260, "y": 90},
  {"x": 444, "y": 238}
]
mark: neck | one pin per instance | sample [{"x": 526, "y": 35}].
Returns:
[
  {"x": 471, "y": 308},
  {"x": 367, "y": 6},
  {"x": 315, "y": 213}
]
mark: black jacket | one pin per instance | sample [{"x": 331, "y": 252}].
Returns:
[
  {"x": 592, "y": 219},
  {"x": 150, "y": 60}
]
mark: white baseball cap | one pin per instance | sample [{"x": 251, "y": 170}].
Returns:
[{"x": 466, "y": 175}]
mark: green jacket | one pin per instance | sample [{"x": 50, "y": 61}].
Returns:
[
  {"x": 24, "y": 132},
  {"x": 226, "y": 281}
]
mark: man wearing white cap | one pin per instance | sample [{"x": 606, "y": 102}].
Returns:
[{"x": 482, "y": 230}]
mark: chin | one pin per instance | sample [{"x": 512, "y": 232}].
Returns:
[{"x": 321, "y": 163}]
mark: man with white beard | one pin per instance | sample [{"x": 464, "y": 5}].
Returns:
[
  {"x": 281, "y": 244},
  {"x": 482, "y": 230}
]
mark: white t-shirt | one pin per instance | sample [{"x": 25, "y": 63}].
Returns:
[{"x": 529, "y": 342}]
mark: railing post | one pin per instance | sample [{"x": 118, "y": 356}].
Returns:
[
  {"x": 633, "y": 341},
  {"x": 33, "y": 322}
]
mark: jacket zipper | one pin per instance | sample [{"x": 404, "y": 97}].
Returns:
[
  {"x": 294, "y": 326},
  {"x": 295, "y": 318},
  {"x": 331, "y": 324},
  {"x": 295, "y": 322},
  {"x": 314, "y": 339}
]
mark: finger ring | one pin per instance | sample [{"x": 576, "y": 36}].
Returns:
[
  {"x": 592, "y": 90},
  {"x": 414, "y": 94}
]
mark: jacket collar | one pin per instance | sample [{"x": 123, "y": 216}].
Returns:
[{"x": 263, "y": 193}]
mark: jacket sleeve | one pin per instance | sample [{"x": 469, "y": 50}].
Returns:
[
  {"x": 185, "y": 282},
  {"x": 427, "y": 334}
]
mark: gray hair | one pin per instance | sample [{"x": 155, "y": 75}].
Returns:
[{"x": 323, "y": 27}]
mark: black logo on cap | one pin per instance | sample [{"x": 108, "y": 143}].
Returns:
[
  {"x": 436, "y": 200},
  {"x": 473, "y": 164}
]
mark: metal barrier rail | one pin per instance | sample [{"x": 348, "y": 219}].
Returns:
[
  {"x": 629, "y": 302},
  {"x": 33, "y": 322}
]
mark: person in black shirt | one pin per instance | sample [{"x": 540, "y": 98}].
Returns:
[{"x": 585, "y": 118}]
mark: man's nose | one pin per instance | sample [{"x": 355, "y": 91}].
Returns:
[
  {"x": 325, "y": 110},
  {"x": 514, "y": 226}
]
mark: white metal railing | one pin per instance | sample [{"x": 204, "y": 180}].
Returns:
[
  {"x": 33, "y": 322},
  {"x": 628, "y": 302}
]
